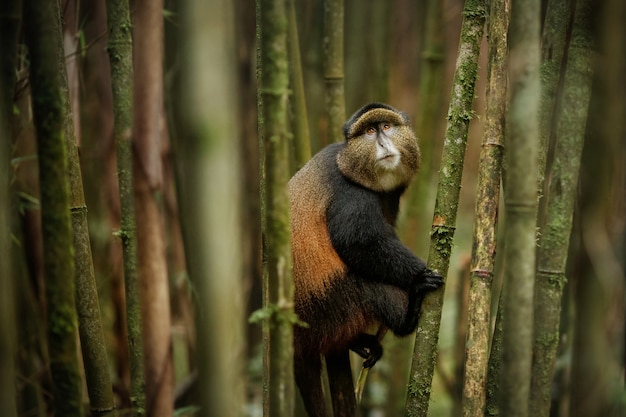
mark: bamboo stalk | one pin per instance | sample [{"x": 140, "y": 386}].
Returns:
[
  {"x": 563, "y": 182},
  {"x": 486, "y": 215},
  {"x": 41, "y": 27},
  {"x": 444, "y": 220},
  {"x": 274, "y": 132},
  {"x": 334, "y": 68},
  {"x": 120, "y": 57},
  {"x": 521, "y": 141}
]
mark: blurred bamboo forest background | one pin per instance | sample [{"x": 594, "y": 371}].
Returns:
[{"x": 131, "y": 213}]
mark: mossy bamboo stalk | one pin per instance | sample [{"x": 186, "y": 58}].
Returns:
[
  {"x": 486, "y": 215},
  {"x": 278, "y": 303},
  {"x": 92, "y": 343},
  {"x": 334, "y": 68},
  {"x": 522, "y": 131},
  {"x": 301, "y": 136},
  {"x": 444, "y": 220},
  {"x": 563, "y": 182},
  {"x": 41, "y": 29},
  {"x": 552, "y": 50},
  {"x": 120, "y": 56}
]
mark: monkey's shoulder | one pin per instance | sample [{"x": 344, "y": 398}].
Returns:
[{"x": 321, "y": 185}]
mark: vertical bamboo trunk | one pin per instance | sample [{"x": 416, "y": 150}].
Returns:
[
  {"x": 522, "y": 131},
  {"x": 121, "y": 59},
  {"x": 302, "y": 140},
  {"x": 148, "y": 125},
  {"x": 552, "y": 50},
  {"x": 486, "y": 212},
  {"x": 92, "y": 343},
  {"x": 274, "y": 131},
  {"x": 41, "y": 30},
  {"x": 444, "y": 219},
  {"x": 563, "y": 182},
  {"x": 209, "y": 150},
  {"x": 334, "y": 68},
  {"x": 494, "y": 365},
  {"x": 9, "y": 21},
  {"x": 553, "y": 47}
]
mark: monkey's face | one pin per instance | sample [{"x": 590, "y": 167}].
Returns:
[{"x": 381, "y": 151}]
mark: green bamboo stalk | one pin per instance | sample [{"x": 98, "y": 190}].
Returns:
[
  {"x": 334, "y": 68},
  {"x": 563, "y": 182},
  {"x": 522, "y": 131},
  {"x": 90, "y": 329},
  {"x": 41, "y": 30},
  {"x": 486, "y": 215},
  {"x": 552, "y": 49},
  {"x": 444, "y": 219},
  {"x": 211, "y": 215},
  {"x": 9, "y": 25},
  {"x": 274, "y": 132},
  {"x": 120, "y": 57},
  {"x": 494, "y": 365},
  {"x": 302, "y": 139}
]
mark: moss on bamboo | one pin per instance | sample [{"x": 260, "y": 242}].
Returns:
[
  {"x": 41, "y": 29},
  {"x": 562, "y": 195},
  {"x": 446, "y": 205},
  {"x": 119, "y": 49},
  {"x": 278, "y": 283}
]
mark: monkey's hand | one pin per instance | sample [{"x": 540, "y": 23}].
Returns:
[
  {"x": 429, "y": 281},
  {"x": 368, "y": 347}
]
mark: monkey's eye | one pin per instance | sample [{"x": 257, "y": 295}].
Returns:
[
  {"x": 386, "y": 126},
  {"x": 370, "y": 130}
]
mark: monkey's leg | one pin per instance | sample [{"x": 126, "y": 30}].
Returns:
[
  {"x": 308, "y": 378},
  {"x": 341, "y": 385},
  {"x": 394, "y": 307}
]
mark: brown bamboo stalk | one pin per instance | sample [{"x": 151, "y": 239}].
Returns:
[
  {"x": 148, "y": 125},
  {"x": 486, "y": 215},
  {"x": 93, "y": 347}
]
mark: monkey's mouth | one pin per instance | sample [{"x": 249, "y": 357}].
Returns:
[{"x": 389, "y": 160}]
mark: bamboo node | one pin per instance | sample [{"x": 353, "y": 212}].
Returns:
[{"x": 482, "y": 274}]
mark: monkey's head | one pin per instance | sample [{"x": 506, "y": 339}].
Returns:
[{"x": 381, "y": 151}]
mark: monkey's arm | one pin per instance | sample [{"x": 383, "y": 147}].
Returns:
[{"x": 368, "y": 244}]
